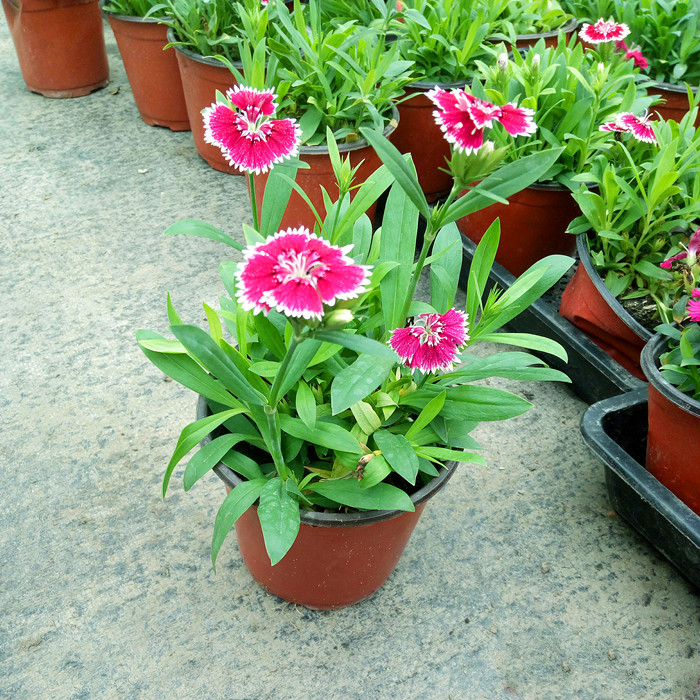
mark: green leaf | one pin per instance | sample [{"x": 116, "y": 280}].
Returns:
[
  {"x": 325, "y": 433},
  {"x": 193, "y": 227},
  {"x": 164, "y": 345},
  {"x": 444, "y": 272},
  {"x": 358, "y": 381},
  {"x": 208, "y": 457},
  {"x": 359, "y": 343},
  {"x": 279, "y": 518},
  {"x": 184, "y": 370},
  {"x": 376, "y": 470},
  {"x": 202, "y": 346},
  {"x": 235, "y": 504},
  {"x": 242, "y": 464},
  {"x": 301, "y": 360},
  {"x": 528, "y": 341},
  {"x": 278, "y": 189},
  {"x": 399, "y": 167},
  {"x": 306, "y": 405},
  {"x": 367, "y": 420},
  {"x": 480, "y": 268},
  {"x": 443, "y": 453},
  {"x": 348, "y": 492},
  {"x": 192, "y": 435},
  {"x": 399, "y": 453},
  {"x": 432, "y": 409}
]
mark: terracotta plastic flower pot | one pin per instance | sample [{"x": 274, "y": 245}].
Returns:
[
  {"x": 153, "y": 73},
  {"x": 673, "y": 454},
  {"x": 320, "y": 174},
  {"x": 533, "y": 225},
  {"x": 60, "y": 45},
  {"x": 419, "y": 135},
  {"x": 524, "y": 41},
  {"x": 675, "y": 105},
  {"x": 201, "y": 77},
  {"x": 590, "y": 306}
]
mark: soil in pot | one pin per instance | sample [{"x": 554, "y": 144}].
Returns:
[
  {"x": 153, "y": 73},
  {"x": 60, "y": 45},
  {"x": 533, "y": 225},
  {"x": 673, "y": 454},
  {"x": 201, "y": 77},
  {"x": 320, "y": 174},
  {"x": 590, "y": 306}
]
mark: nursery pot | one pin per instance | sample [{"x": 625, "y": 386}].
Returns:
[
  {"x": 419, "y": 135},
  {"x": 589, "y": 305},
  {"x": 320, "y": 174},
  {"x": 525, "y": 41},
  {"x": 675, "y": 105},
  {"x": 153, "y": 73},
  {"x": 533, "y": 225},
  {"x": 673, "y": 456},
  {"x": 201, "y": 77},
  {"x": 60, "y": 45},
  {"x": 338, "y": 558}
]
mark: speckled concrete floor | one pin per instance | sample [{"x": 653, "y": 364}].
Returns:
[{"x": 518, "y": 582}]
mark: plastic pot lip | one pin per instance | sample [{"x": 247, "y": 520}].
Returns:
[
  {"x": 128, "y": 18},
  {"x": 358, "y": 145},
  {"x": 672, "y": 87},
  {"x": 567, "y": 27},
  {"x": 650, "y": 366},
  {"x": 231, "y": 479},
  {"x": 584, "y": 256},
  {"x": 208, "y": 60}
]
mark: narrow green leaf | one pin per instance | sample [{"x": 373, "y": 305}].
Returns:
[
  {"x": 367, "y": 420},
  {"x": 528, "y": 341},
  {"x": 306, "y": 405},
  {"x": 432, "y": 409},
  {"x": 193, "y": 227},
  {"x": 278, "y": 189},
  {"x": 375, "y": 471},
  {"x": 243, "y": 465},
  {"x": 208, "y": 457},
  {"x": 444, "y": 271},
  {"x": 325, "y": 433},
  {"x": 235, "y": 504},
  {"x": 398, "y": 453},
  {"x": 359, "y": 343},
  {"x": 348, "y": 492},
  {"x": 279, "y": 519},
  {"x": 358, "y": 381}
]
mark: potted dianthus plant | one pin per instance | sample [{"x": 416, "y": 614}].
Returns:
[
  {"x": 671, "y": 363},
  {"x": 643, "y": 210},
  {"x": 333, "y": 402},
  {"x": 569, "y": 92},
  {"x": 340, "y": 77},
  {"x": 152, "y": 70}
]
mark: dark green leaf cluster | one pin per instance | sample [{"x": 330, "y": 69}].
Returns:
[{"x": 680, "y": 366}]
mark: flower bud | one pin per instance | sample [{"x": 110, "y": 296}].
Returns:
[
  {"x": 338, "y": 318},
  {"x": 503, "y": 61}
]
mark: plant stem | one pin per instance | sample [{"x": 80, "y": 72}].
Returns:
[{"x": 253, "y": 201}]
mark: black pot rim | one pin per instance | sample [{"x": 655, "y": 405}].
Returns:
[
  {"x": 585, "y": 258},
  {"x": 672, "y": 87},
  {"x": 567, "y": 27},
  {"x": 209, "y": 60},
  {"x": 231, "y": 479},
  {"x": 650, "y": 366}
]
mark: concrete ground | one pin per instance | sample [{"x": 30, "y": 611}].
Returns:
[{"x": 519, "y": 581}]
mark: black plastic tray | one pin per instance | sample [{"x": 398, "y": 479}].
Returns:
[
  {"x": 616, "y": 431},
  {"x": 594, "y": 374}
]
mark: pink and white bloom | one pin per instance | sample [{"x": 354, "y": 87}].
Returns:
[
  {"x": 634, "y": 53},
  {"x": 693, "y": 308},
  {"x": 431, "y": 343},
  {"x": 463, "y": 118},
  {"x": 640, "y": 127},
  {"x": 245, "y": 132},
  {"x": 603, "y": 31},
  {"x": 690, "y": 254},
  {"x": 297, "y": 273}
]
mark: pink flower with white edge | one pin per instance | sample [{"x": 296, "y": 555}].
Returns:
[
  {"x": 463, "y": 118},
  {"x": 603, "y": 31},
  {"x": 690, "y": 254},
  {"x": 640, "y": 127},
  {"x": 431, "y": 343},
  {"x": 693, "y": 308},
  {"x": 297, "y": 273},
  {"x": 245, "y": 132},
  {"x": 634, "y": 53}
]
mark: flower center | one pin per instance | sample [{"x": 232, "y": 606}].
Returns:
[
  {"x": 431, "y": 330},
  {"x": 302, "y": 266}
]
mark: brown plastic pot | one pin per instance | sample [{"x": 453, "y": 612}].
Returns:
[
  {"x": 533, "y": 225},
  {"x": 675, "y": 105},
  {"x": 590, "y": 306},
  {"x": 320, "y": 174},
  {"x": 673, "y": 456},
  {"x": 419, "y": 135},
  {"x": 60, "y": 45},
  {"x": 153, "y": 73},
  {"x": 337, "y": 559},
  {"x": 524, "y": 41},
  {"x": 201, "y": 77}
]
